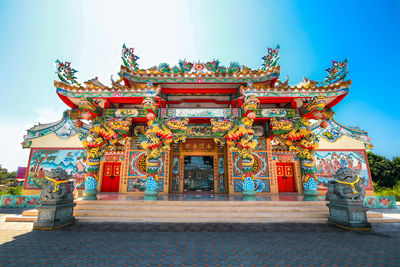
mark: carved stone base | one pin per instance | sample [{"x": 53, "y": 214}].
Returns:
[
  {"x": 90, "y": 194},
  {"x": 310, "y": 195},
  {"x": 150, "y": 195},
  {"x": 54, "y": 216},
  {"x": 249, "y": 195},
  {"x": 348, "y": 214}
]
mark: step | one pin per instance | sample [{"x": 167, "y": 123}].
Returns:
[
  {"x": 161, "y": 214},
  {"x": 201, "y": 208},
  {"x": 202, "y": 220},
  {"x": 203, "y": 203},
  {"x": 19, "y": 218}
]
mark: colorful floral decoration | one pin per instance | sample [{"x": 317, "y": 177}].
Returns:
[
  {"x": 336, "y": 73},
  {"x": 66, "y": 73},
  {"x": 215, "y": 67},
  {"x": 234, "y": 67},
  {"x": 241, "y": 139},
  {"x": 104, "y": 133},
  {"x": 271, "y": 59},
  {"x": 295, "y": 134},
  {"x": 129, "y": 58},
  {"x": 184, "y": 66},
  {"x": 164, "y": 68}
]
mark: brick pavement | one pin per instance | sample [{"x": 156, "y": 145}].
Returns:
[{"x": 119, "y": 244}]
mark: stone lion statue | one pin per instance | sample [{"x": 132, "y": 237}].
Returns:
[
  {"x": 53, "y": 191},
  {"x": 346, "y": 185}
]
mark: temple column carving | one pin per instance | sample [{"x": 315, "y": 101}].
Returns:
[
  {"x": 241, "y": 139},
  {"x": 103, "y": 134}
]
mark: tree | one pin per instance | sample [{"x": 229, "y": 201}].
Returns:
[
  {"x": 384, "y": 172},
  {"x": 40, "y": 156}
]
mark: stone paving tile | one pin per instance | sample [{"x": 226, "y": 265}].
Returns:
[{"x": 95, "y": 244}]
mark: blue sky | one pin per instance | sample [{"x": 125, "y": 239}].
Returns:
[{"x": 90, "y": 34}]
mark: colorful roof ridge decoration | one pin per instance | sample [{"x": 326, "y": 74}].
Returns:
[
  {"x": 335, "y": 130},
  {"x": 199, "y": 72},
  {"x": 66, "y": 73},
  {"x": 271, "y": 59},
  {"x": 337, "y": 72},
  {"x": 64, "y": 128}
]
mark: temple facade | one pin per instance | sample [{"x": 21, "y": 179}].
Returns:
[{"x": 198, "y": 128}]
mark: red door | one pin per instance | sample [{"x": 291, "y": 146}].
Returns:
[
  {"x": 285, "y": 175},
  {"x": 111, "y": 174}
]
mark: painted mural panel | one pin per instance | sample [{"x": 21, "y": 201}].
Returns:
[
  {"x": 139, "y": 185},
  {"x": 261, "y": 185},
  {"x": 328, "y": 162},
  {"x": 260, "y": 167},
  {"x": 42, "y": 161},
  {"x": 137, "y": 164}
]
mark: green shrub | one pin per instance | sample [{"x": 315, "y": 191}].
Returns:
[
  {"x": 15, "y": 190},
  {"x": 384, "y": 191}
]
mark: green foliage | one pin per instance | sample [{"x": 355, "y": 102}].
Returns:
[
  {"x": 384, "y": 172},
  {"x": 5, "y": 175},
  {"x": 384, "y": 191},
  {"x": 15, "y": 190}
]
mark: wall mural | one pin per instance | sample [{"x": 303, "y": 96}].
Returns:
[
  {"x": 260, "y": 167},
  {"x": 260, "y": 185},
  {"x": 137, "y": 172},
  {"x": 137, "y": 164},
  {"x": 139, "y": 184},
  {"x": 73, "y": 161},
  {"x": 327, "y": 162}
]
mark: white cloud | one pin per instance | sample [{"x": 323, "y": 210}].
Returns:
[{"x": 12, "y": 154}]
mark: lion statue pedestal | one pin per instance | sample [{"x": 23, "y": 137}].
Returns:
[
  {"x": 346, "y": 201},
  {"x": 56, "y": 202}
]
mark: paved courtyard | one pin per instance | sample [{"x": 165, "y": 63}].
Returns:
[{"x": 95, "y": 244}]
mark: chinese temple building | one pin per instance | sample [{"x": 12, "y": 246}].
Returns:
[{"x": 198, "y": 127}]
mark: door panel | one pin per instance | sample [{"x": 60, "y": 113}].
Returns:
[
  {"x": 285, "y": 177},
  {"x": 290, "y": 186},
  {"x": 111, "y": 177}
]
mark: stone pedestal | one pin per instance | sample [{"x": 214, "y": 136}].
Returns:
[
  {"x": 150, "y": 194},
  {"x": 54, "y": 214},
  {"x": 249, "y": 195},
  {"x": 348, "y": 214},
  {"x": 310, "y": 195},
  {"x": 90, "y": 194}
]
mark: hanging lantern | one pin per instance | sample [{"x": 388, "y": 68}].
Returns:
[
  {"x": 87, "y": 116},
  {"x": 150, "y": 116},
  {"x": 251, "y": 115},
  {"x": 317, "y": 115},
  {"x": 324, "y": 124},
  {"x": 78, "y": 123}
]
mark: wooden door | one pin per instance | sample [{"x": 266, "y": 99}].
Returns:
[
  {"x": 285, "y": 176},
  {"x": 111, "y": 176}
]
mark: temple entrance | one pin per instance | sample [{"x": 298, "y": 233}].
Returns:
[
  {"x": 285, "y": 174},
  {"x": 111, "y": 177},
  {"x": 198, "y": 174}
]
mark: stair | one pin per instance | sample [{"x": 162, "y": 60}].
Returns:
[{"x": 200, "y": 212}]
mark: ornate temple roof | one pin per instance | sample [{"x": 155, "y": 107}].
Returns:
[
  {"x": 195, "y": 78},
  {"x": 64, "y": 128},
  {"x": 336, "y": 130}
]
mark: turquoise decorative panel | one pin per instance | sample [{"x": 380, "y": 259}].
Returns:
[
  {"x": 15, "y": 201},
  {"x": 261, "y": 185},
  {"x": 379, "y": 202}
]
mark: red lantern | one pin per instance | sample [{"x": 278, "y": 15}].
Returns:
[
  {"x": 78, "y": 123},
  {"x": 87, "y": 116},
  {"x": 324, "y": 124},
  {"x": 251, "y": 115},
  {"x": 317, "y": 115},
  {"x": 150, "y": 116}
]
